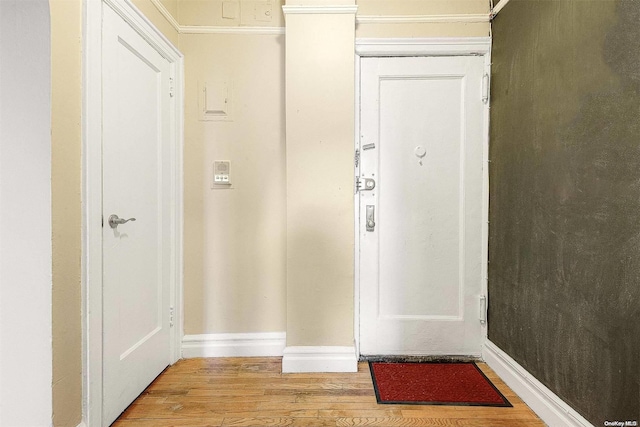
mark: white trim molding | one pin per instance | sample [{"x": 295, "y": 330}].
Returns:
[
  {"x": 319, "y": 359},
  {"x": 141, "y": 23},
  {"x": 436, "y": 46},
  {"x": 545, "y": 403},
  {"x": 329, "y": 9},
  {"x": 167, "y": 15},
  {"x": 319, "y": 9},
  {"x": 263, "y": 344},
  {"x": 497, "y": 8},
  {"x": 212, "y": 29},
  {"x": 423, "y": 19}
]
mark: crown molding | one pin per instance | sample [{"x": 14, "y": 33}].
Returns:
[
  {"x": 320, "y": 10},
  {"x": 167, "y": 15},
  {"x": 212, "y": 29}
]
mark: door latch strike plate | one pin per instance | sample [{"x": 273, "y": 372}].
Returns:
[{"x": 483, "y": 309}]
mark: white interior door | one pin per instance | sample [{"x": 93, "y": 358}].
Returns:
[
  {"x": 420, "y": 264},
  {"x": 136, "y": 184}
]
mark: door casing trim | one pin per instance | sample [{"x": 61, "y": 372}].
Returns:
[
  {"x": 92, "y": 192},
  {"x": 437, "y": 46}
]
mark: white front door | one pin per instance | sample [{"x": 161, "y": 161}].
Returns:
[
  {"x": 136, "y": 184},
  {"x": 421, "y": 142}
]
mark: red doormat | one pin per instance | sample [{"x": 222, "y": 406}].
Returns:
[{"x": 434, "y": 383}]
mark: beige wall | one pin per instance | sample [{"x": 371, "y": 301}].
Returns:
[
  {"x": 235, "y": 238},
  {"x": 66, "y": 101},
  {"x": 209, "y": 13},
  {"x": 422, "y": 7},
  {"x": 66, "y": 104},
  {"x": 171, "y": 6},
  {"x": 235, "y": 258},
  {"x": 320, "y": 129},
  {"x": 423, "y": 30}
]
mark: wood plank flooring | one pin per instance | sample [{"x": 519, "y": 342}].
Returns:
[{"x": 253, "y": 392}]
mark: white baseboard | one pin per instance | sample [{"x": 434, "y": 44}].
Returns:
[
  {"x": 545, "y": 403},
  {"x": 263, "y": 344},
  {"x": 319, "y": 359},
  {"x": 82, "y": 424}
]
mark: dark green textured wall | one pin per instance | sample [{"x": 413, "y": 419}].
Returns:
[{"x": 564, "y": 243}]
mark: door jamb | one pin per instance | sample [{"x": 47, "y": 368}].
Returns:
[
  {"x": 439, "y": 46},
  {"x": 92, "y": 192}
]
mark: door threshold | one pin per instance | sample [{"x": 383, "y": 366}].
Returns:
[{"x": 419, "y": 358}]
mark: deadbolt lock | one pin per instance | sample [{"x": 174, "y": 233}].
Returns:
[{"x": 366, "y": 184}]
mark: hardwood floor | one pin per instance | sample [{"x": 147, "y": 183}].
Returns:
[{"x": 253, "y": 392}]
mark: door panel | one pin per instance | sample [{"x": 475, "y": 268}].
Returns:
[
  {"x": 136, "y": 255},
  {"x": 421, "y": 265}
]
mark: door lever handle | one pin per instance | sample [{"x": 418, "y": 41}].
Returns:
[{"x": 115, "y": 221}]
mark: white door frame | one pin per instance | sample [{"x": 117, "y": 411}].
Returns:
[
  {"x": 440, "y": 46},
  {"x": 92, "y": 191}
]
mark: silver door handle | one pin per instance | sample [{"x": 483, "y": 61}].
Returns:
[{"x": 114, "y": 221}]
